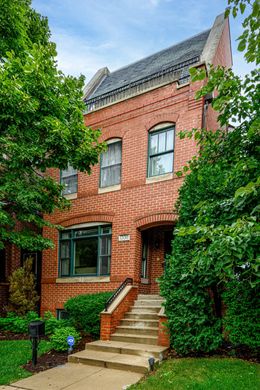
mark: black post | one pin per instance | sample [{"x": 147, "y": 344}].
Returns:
[{"x": 34, "y": 350}]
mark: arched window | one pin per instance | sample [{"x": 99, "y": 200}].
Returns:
[
  {"x": 111, "y": 164},
  {"x": 161, "y": 149}
]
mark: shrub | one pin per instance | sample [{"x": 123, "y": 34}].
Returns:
[
  {"x": 51, "y": 323},
  {"x": 18, "y": 324},
  {"x": 242, "y": 314},
  {"x": 59, "y": 338},
  {"x": 22, "y": 291},
  {"x": 84, "y": 311}
]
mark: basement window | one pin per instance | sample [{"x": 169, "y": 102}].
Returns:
[{"x": 85, "y": 251}]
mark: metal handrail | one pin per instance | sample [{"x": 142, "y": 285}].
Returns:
[{"x": 117, "y": 292}]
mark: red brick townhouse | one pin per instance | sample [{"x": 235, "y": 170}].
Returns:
[{"x": 122, "y": 216}]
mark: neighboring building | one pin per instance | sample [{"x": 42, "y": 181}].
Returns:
[{"x": 122, "y": 216}]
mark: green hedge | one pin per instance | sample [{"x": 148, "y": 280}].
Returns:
[
  {"x": 241, "y": 320},
  {"x": 84, "y": 311},
  {"x": 17, "y": 324}
]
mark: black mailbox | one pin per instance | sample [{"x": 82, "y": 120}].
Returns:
[{"x": 36, "y": 329}]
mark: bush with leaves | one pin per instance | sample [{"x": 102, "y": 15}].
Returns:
[
  {"x": 17, "y": 324},
  {"x": 59, "y": 338},
  {"x": 216, "y": 243},
  {"x": 22, "y": 290},
  {"x": 84, "y": 311},
  {"x": 52, "y": 323},
  {"x": 242, "y": 314}
]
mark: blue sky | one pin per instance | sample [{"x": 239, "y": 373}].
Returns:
[{"x": 91, "y": 34}]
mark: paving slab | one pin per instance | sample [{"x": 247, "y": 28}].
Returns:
[{"x": 77, "y": 377}]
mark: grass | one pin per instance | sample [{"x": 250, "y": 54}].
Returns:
[
  {"x": 15, "y": 353},
  {"x": 203, "y": 374}
]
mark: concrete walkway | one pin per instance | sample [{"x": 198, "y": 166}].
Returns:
[{"x": 77, "y": 377}]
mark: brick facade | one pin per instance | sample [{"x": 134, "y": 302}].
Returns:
[{"x": 140, "y": 207}]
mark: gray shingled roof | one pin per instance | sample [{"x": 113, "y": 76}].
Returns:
[{"x": 153, "y": 64}]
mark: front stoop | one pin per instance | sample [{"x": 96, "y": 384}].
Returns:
[{"x": 134, "y": 341}]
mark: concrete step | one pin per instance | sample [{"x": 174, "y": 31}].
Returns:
[
  {"x": 150, "y": 296},
  {"x": 147, "y": 350},
  {"x": 145, "y": 309},
  {"x": 111, "y": 360},
  {"x": 153, "y": 303},
  {"x": 137, "y": 331},
  {"x": 139, "y": 323},
  {"x": 133, "y": 338},
  {"x": 141, "y": 316}
]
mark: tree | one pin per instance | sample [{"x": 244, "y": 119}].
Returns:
[
  {"x": 215, "y": 255},
  {"x": 41, "y": 126},
  {"x": 22, "y": 290}
]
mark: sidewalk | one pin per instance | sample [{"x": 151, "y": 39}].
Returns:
[{"x": 77, "y": 377}]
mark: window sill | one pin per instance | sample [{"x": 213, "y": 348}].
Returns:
[
  {"x": 155, "y": 179},
  {"x": 84, "y": 279},
  {"x": 109, "y": 189},
  {"x": 71, "y": 196}
]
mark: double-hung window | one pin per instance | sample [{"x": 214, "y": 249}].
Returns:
[
  {"x": 69, "y": 178},
  {"x": 85, "y": 251},
  {"x": 110, "y": 164},
  {"x": 161, "y": 150}
]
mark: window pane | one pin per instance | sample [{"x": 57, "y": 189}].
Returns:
[
  {"x": 65, "y": 267},
  {"x": 71, "y": 184},
  {"x": 110, "y": 176},
  {"x": 106, "y": 230},
  {"x": 161, "y": 164},
  {"x": 86, "y": 232},
  {"x": 162, "y": 142},
  {"x": 105, "y": 246},
  {"x": 105, "y": 265},
  {"x": 112, "y": 155},
  {"x": 169, "y": 142},
  {"x": 65, "y": 235},
  {"x": 86, "y": 252},
  {"x": 154, "y": 144},
  {"x": 65, "y": 249},
  {"x": 70, "y": 171}
]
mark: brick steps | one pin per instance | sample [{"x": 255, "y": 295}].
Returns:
[{"x": 134, "y": 341}]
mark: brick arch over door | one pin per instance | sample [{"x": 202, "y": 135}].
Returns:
[{"x": 164, "y": 218}]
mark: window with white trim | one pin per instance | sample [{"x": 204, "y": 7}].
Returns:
[
  {"x": 69, "y": 178},
  {"x": 161, "y": 151},
  {"x": 111, "y": 164},
  {"x": 85, "y": 251}
]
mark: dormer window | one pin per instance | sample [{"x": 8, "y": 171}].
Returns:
[
  {"x": 111, "y": 164},
  {"x": 69, "y": 178}
]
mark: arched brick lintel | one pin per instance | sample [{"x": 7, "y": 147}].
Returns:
[
  {"x": 85, "y": 218},
  {"x": 160, "y": 118},
  {"x": 156, "y": 220}
]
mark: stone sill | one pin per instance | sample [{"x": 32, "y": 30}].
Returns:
[
  {"x": 84, "y": 279},
  {"x": 71, "y": 196},
  {"x": 155, "y": 179},
  {"x": 109, "y": 189}
]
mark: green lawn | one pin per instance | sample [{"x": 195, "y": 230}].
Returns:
[
  {"x": 203, "y": 374},
  {"x": 13, "y": 354}
]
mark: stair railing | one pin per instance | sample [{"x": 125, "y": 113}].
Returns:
[{"x": 117, "y": 292}]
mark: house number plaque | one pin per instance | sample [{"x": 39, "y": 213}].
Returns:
[{"x": 124, "y": 237}]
